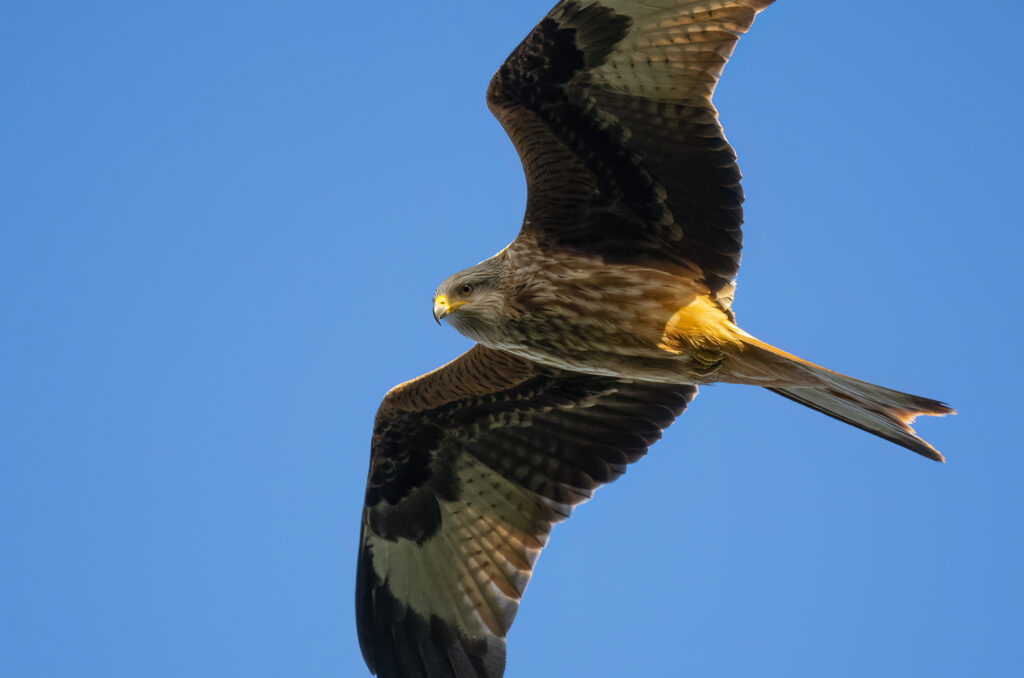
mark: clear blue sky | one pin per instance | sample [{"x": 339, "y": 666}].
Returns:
[{"x": 221, "y": 227}]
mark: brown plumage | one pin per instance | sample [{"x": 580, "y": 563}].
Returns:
[{"x": 594, "y": 328}]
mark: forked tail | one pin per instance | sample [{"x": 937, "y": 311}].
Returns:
[{"x": 875, "y": 409}]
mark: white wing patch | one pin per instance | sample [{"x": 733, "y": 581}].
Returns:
[{"x": 474, "y": 570}]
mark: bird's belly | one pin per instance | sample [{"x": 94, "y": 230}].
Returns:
[
  {"x": 656, "y": 366},
  {"x": 651, "y": 338}
]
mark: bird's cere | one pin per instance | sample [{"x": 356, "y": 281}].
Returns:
[{"x": 443, "y": 307}]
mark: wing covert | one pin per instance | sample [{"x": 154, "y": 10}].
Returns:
[{"x": 471, "y": 465}]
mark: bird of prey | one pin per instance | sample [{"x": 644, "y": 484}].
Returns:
[{"x": 594, "y": 328}]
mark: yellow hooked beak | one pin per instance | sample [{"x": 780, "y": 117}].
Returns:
[{"x": 443, "y": 307}]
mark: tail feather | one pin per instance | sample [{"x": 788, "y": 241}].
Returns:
[
  {"x": 888, "y": 415},
  {"x": 882, "y": 411}
]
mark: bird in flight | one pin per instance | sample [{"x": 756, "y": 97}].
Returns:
[{"x": 594, "y": 328}]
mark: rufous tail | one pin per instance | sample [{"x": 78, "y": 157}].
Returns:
[{"x": 875, "y": 409}]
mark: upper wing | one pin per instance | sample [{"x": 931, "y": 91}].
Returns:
[
  {"x": 609, "y": 106},
  {"x": 470, "y": 466}
]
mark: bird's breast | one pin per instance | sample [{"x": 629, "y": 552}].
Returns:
[{"x": 593, "y": 317}]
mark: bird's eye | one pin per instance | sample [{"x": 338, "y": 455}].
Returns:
[{"x": 466, "y": 288}]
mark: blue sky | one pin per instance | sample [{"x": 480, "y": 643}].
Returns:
[{"x": 220, "y": 228}]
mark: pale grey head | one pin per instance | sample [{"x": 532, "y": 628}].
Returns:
[{"x": 474, "y": 300}]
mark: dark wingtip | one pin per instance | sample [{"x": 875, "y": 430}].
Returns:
[{"x": 397, "y": 642}]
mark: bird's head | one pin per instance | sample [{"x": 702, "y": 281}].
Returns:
[{"x": 472, "y": 300}]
